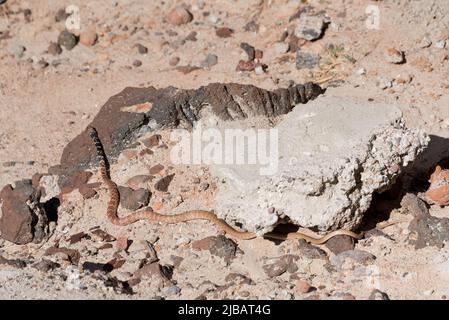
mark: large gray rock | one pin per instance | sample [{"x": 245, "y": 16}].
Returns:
[{"x": 333, "y": 154}]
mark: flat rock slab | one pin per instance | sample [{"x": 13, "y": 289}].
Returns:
[{"x": 333, "y": 154}]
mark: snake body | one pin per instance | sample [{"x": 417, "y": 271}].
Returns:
[{"x": 152, "y": 216}]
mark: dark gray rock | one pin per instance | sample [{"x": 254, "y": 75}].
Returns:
[
  {"x": 133, "y": 199},
  {"x": 67, "y": 40},
  {"x": 305, "y": 60},
  {"x": 219, "y": 246}
]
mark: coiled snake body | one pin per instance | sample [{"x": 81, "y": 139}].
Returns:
[{"x": 152, "y": 216}]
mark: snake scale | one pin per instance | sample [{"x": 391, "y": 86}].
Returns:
[{"x": 152, "y": 216}]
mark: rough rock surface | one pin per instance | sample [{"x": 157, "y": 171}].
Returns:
[{"x": 333, "y": 154}]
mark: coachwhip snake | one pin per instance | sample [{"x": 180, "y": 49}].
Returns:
[{"x": 152, "y": 216}]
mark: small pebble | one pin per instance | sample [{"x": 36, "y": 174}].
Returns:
[
  {"x": 306, "y": 60},
  {"x": 393, "y": 55},
  {"x": 54, "y": 49},
  {"x": 122, "y": 243},
  {"x": 173, "y": 290},
  {"x": 201, "y": 4},
  {"x": 251, "y": 26},
  {"x": 250, "y": 51},
  {"x": 178, "y": 16},
  {"x": 403, "y": 78},
  {"x": 9, "y": 164},
  {"x": 210, "y": 61},
  {"x": 281, "y": 47},
  {"x": 61, "y": 15},
  {"x": 139, "y": 181},
  {"x": 213, "y": 19},
  {"x": 152, "y": 141},
  {"x": 173, "y": 61},
  {"x": 284, "y": 36},
  {"x": 384, "y": 83},
  {"x": 224, "y": 32},
  {"x": 26, "y": 13},
  {"x": 245, "y": 66},
  {"x": 440, "y": 44},
  {"x": 310, "y": 27},
  {"x": 204, "y": 186},
  {"x": 17, "y": 50},
  {"x": 156, "y": 169},
  {"x": 141, "y": 49},
  {"x": 43, "y": 64},
  {"x": 191, "y": 36},
  {"x": 347, "y": 296},
  {"x": 425, "y": 43},
  {"x": 302, "y": 286},
  {"x": 378, "y": 295},
  {"x": 137, "y": 63},
  {"x": 360, "y": 72},
  {"x": 259, "y": 70},
  {"x": 428, "y": 292}
]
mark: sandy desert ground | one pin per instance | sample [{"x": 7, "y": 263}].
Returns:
[{"x": 49, "y": 94}]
